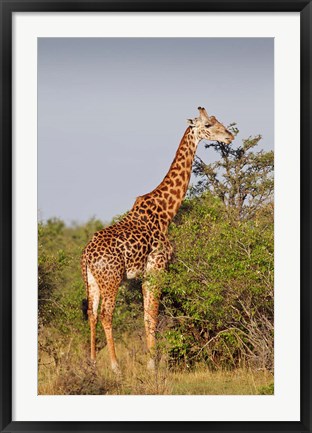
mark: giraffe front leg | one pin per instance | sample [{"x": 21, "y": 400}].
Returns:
[
  {"x": 151, "y": 296},
  {"x": 157, "y": 262}
]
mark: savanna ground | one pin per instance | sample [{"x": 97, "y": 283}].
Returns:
[
  {"x": 76, "y": 375},
  {"x": 216, "y": 323}
]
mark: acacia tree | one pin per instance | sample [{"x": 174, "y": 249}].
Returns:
[{"x": 242, "y": 178}]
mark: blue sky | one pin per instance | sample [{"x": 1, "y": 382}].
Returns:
[{"x": 112, "y": 111}]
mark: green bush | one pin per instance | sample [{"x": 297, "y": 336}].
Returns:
[{"x": 218, "y": 291}]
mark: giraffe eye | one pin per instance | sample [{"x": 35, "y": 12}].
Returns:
[{"x": 207, "y": 125}]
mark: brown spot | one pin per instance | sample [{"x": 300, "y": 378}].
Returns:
[
  {"x": 162, "y": 203},
  {"x": 163, "y": 220}
]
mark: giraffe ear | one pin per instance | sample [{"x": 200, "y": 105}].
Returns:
[{"x": 212, "y": 120}]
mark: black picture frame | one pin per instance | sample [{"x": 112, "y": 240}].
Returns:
[{"x": 8, "y": 7}]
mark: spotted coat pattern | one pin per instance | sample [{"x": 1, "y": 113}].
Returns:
[{"x": 138, "y": 244}]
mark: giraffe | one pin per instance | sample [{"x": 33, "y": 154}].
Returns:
[{"x": 138, "y": 245}]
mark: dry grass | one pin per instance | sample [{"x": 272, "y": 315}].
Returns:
[
  {"x": 70, "y": 372},
  {"x": 237, "y": 382}
]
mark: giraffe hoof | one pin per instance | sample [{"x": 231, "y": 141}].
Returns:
[
  {"x": 116, "y": 369},
  {"x": 151, "y": 364},
  {"x": 93, "y": 363}
]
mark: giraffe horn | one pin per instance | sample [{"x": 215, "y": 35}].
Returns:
[{"x": 203, "y": 113}]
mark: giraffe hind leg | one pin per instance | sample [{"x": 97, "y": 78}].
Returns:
[
  {"x": 93, "y": 304},
  {"x": 109, "y": 294}
]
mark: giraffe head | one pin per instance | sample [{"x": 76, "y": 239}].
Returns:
[{"x": 209, "y": 128}]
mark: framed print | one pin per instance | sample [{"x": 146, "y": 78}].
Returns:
[{"x": 155, "y": 216}]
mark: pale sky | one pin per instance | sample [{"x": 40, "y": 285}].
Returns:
[{"x": 112, "y": 111}]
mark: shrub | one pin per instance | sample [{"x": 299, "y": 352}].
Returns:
[{"x": 218, "y": 291}]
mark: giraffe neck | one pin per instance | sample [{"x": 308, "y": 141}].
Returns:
[{"x": 170, "y": 193}]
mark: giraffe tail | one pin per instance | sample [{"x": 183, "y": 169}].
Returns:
[
  {"x": 84, "y": 303},
  {"x": 84, "y": 307}
]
